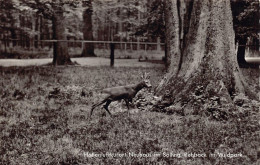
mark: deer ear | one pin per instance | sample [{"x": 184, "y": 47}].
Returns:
[
  {"x": 147, "y": 75},
  {"x": 143, "y": 75}
]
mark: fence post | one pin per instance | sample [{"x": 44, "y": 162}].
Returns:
[
  {"x": 158, "y": 44},
  {"x": 112, "y": 54},
  {"x": 82, "y": 46},
  {"x": 145, "y": 47},
  {"x": 125, "y": 48}
]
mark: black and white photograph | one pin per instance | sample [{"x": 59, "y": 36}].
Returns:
[{"x": 129, "y": 82}]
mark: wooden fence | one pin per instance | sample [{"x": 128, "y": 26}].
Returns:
[
  {"x": 6, "y": 43},
  {"x": 10, "y": 45}
]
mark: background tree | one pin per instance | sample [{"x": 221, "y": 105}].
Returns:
[
  {"x": 117, "y": 20},
  {"x": 88, "y": 49},
  {"x": 6, "y": 22},
  {"x": 207, "y": 76},
  {"x": 246, "y": 26},
  {"x": 153, "y": 25},
  {"x": 160, "y": 14},
  {"x": 60, "y": 49},
  {"x": 53, "y": 10}
]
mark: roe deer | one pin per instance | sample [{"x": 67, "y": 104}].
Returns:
[{"x": 122, "y": 92}]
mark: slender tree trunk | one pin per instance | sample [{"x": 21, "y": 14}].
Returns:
[
  {"x": 158, "y": 46},
  {"x": 88, "y": 49},
  {"x": 139, "y": 21},
  {"x": 205, "y": 75},
  {"x": 60, "y": 49},
  {"x": 14, "y": 37},
  {"x": 41, "y": 30},
  {"x": 172, "y": 35},
  {"x": 36, "y": 37},
  {"x": 121, "y": 27},
  {"x": 28, "y": 42},
  {"x": 5, "y": 44},
  {"x": 23, "y": 40}
]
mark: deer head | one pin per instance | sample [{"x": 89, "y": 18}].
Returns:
[{"x": 146, "y": 80}]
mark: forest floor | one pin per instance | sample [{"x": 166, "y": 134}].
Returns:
[{"x": 44, "y": 119}]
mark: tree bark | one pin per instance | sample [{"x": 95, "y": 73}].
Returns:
[
  {"x": 172, "y": 35},
  {"x": 88, "y": 49},
  {"x": 60, "y": 48},
  {"x": 205, "y": 74}
]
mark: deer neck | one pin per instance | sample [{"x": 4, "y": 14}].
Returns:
[{"x": 139, "y": 86}]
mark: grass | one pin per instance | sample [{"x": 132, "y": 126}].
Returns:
[{"x": 44, "y": 119}]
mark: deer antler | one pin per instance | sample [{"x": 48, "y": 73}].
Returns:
[
  {"x": 146, "y": 75},
  {"x": 142, "y": 74}
]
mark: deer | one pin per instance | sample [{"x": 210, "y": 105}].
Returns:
[{"x": 127, "y": 93}]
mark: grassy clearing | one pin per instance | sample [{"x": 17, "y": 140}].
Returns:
[{"x": 44, "y": 118}]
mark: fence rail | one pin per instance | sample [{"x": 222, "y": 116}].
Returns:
[
  {"x": 87, "y": 41},
  {"x": 34, "y": 48},
  {"x": 122, "y": 45}
]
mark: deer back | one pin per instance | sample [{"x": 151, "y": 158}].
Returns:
[{"x": 119, "y": 92}]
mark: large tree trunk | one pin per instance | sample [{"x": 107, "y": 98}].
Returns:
[
  {"x": 205, "y": 74},
  {"x": 88, "y": 49},
  {"x": 60, "y": 49}
]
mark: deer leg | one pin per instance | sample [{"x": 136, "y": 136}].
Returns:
[
  {"x": 131, "y": 101},
  {"x": 95, "y": 105},
  {"x": 106, "y": 106},
  {"x": 127, "y": 103}
]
